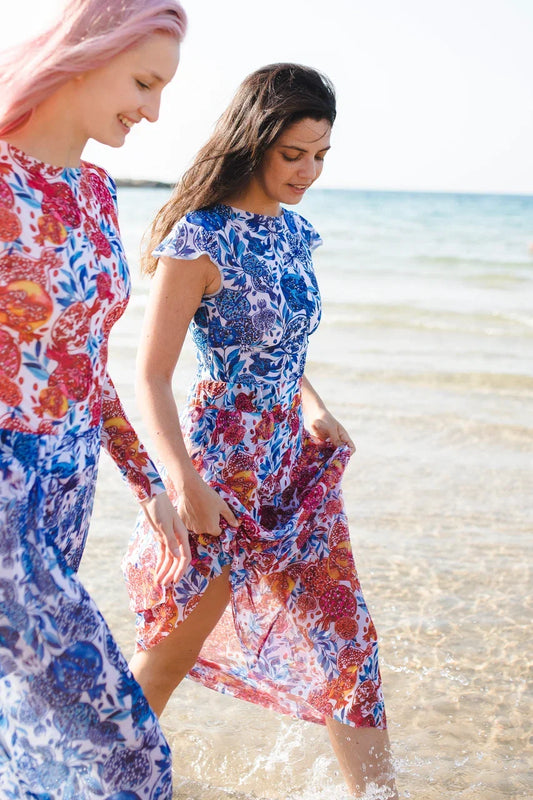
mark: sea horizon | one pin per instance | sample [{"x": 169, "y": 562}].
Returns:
[{"x": 152, "y": 183}]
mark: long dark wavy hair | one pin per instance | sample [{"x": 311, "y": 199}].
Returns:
[{"x": 266, "y": 103}]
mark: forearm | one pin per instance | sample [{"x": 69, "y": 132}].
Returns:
[
  {"x": 160, "y": 414},
  {"x": 312, "y": 403},
  {"x": 121, "y": 442},
  {"x": 199, "y": 505},
  {"x": 321, "y": 423}
]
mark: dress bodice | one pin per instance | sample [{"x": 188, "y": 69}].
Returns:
[
  {"x": 64, "y": 282},
  {"x": 254, "y": 329}
]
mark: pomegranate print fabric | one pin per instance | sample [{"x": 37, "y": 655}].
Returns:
[
  {"x": 297, "y": 636},
  {"x": 74, "y": 724}
]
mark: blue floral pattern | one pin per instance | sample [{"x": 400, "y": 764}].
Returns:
[
  {"x": 256, "y": 326},
  {"x": 70, "y": 709}
]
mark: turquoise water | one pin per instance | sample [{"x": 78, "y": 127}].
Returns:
[{"x": 425, "y": 352}]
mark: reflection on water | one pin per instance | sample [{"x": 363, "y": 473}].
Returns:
[{"x": 439, "y": 400}]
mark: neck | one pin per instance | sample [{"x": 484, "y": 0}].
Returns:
[
  {"x": 252, "y": 199},
  {"x": 49, "y": 135}
]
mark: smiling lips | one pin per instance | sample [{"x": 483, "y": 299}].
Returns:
[{"x": 128, "y": 123}]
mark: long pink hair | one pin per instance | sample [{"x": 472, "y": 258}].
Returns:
[{"x": 88, "y": 35}]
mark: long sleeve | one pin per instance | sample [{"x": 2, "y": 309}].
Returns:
[{"x": 122, "y": 443}]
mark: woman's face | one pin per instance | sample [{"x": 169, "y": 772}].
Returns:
[
  {"x": 292, "y": 164},
  {"x": 111, "y": 99}
]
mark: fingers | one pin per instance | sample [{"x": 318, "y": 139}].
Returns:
[
  {"x": 175, "y": 556},
  {"x": 210, "y": 523},
  {"x": 337, "y": 437},
  {"x": 172, "y": 531},
  {"x": 175, "y": 553},
  {"x": 346, "y": 439},
  {"x": 173, "y": 537},
  {"x": 170, "y": 568},
  {"x": 181, "y": 535},
  {"x": 229, "y": 516},
  {"x": 164, "y": 566}
]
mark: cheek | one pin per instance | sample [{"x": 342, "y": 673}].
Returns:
[
  {"x": 287, "y": 170},
  {"x": 275, "y": 176},
  {"x": 96, "y": 104}
]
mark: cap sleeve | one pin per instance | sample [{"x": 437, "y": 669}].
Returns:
[
  {"x": 312, "y": 236},
  {"x": 198, "y": 233},
  {"x": 315, "y": 239},
  {"x": 308, "y": 233}
]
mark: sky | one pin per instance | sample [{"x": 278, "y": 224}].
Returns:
[{"x": 433, "y": 95}]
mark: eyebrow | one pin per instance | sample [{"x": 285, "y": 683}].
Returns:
[{"x": 302, "y": 149}]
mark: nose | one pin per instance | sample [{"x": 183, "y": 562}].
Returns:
[
  {"x": 150, "y": 110},
  {"x": 309, "y": 169}
]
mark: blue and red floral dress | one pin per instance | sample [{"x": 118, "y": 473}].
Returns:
[
  {"x": 297, "y": 636},
  {"x": 74, "y": 723}
]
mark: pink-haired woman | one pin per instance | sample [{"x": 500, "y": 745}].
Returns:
[{"x": 73, "y": 721}]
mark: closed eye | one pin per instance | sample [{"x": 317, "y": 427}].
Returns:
[
  {"x": 318, "y": 157},
  {"x": 142, "y": 85}
]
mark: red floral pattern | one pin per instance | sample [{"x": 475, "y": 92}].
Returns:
[
  {"x": 59, "y": 299},
  {"x": 298, "y": 631}
]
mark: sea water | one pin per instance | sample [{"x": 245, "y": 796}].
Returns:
[{"x": 425, "y": 353}]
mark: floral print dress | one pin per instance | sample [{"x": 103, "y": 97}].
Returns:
[
  {"x": 297, "y": 636},
  {"x": 74, "y": 724}
]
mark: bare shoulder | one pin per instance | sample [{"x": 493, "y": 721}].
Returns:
[{"x": 198, "y": 272}]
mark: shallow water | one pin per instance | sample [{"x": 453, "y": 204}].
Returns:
[{"x": 425, "y": 353}]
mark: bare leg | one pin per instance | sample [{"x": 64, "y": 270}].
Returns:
[
  {"x": 161, "y": 668},
  {"x": 363, "y": 753},
  {"x": 364, "y": 757}
]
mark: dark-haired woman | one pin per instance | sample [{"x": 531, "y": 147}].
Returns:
[{"x": 270, "y": 609}]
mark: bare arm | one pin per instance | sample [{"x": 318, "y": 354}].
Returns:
[
  {"x": 177, "y": 289},
  {"x": 321, "y": 423}
]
